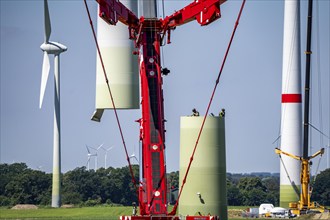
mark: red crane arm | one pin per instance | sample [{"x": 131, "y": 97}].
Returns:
[
  {"x": 204, "y": 11},
  {"x": 147, "y": 34},
  {"x": 113, "y": 10}
]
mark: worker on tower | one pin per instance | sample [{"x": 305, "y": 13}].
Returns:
[
  {"x": 195, "y": 112},
  {"x": 222, "y": 113}
]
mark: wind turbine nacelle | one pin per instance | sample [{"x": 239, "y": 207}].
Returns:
[
  {"x": 120, "y": 64},
  {"x": 53, "y": 47}
]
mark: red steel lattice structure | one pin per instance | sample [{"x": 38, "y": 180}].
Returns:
[{"x": 148, "y": 34}]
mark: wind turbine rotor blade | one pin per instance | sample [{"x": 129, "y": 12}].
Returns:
[
  {"x": 88, "y": 150},
  {"x": 44, "y": 77},
  {"x": 48, "y": 28},
  {"x": 93, "y": 148},
  {"x": 101, "y": 146}
]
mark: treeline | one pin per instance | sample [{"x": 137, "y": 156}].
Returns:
[
  {"x": 256, "y": 188},
  {"x": 22, "y": 185},
  {"x": 251, "y": 190}
]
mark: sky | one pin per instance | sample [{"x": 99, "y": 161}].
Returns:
[{"x": 249, "y": 88}]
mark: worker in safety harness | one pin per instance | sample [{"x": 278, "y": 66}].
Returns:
[
  {"x": 195, "y": 112},
  {"x": 222, "y": 113}
]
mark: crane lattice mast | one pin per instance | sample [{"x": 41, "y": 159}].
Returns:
[{"x": 148, "y": 35}]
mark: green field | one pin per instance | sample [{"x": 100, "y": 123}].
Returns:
[
  {"x": 95, "y": 213},
  {"x": 67, "y": 213}
]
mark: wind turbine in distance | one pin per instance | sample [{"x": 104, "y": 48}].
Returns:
[
  {"x": 89, "y": 155},
  {"x": 106, "y": 155},
  {"x": 49, "y": 47},
  {"x": 97, "y": 150},
  {"x": 133, "y": 156}
]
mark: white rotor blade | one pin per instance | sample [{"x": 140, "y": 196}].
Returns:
[
  {"x": 100, "y": 147},
  {"x": 48, "y": 28},
  {"x": 93, "y": 148},
  {"x": 88, "y": 150},
  {"x": 44, "y": 77}
]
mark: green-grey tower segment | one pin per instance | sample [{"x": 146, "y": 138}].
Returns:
[{"x": 205, "y": 190}]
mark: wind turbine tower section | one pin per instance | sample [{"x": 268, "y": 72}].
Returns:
[
  {"x": 291, "y": 116},
  {"x": 205, "y": 192},
  {"x": 120, "y": 65}
]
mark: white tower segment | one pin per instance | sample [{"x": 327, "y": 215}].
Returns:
[
  {"x": 121, "y": 67},
  {"x": 291, "y": 122},
  {"x": 49, "y": 47}
]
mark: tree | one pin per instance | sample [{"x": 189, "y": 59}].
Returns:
[
  {"x": 173, "y": 179},
  {"x": 80, "y": 181},
  {"x": 102, "y": 186},
  {"x": 128, "y": 190},
  {"x": 20, "y": 184},
  {"x": 234, "y": 195},
  {"x": 321, "y": 188},
  {"x": 254, "y": 197},
  {"x": 272, "y": 183},
  {"x": 255, "y": 190},
  {"x": 249, "y": 183},
  {"x": 9, "y": 172},
  {"x": 24, "y": 185}
]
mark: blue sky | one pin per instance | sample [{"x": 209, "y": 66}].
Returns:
[{"x": 249, "y": 89}]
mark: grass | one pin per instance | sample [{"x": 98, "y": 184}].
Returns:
[
  {"x": 67, "y": 213},
  {"x": 84, "y": 213}
]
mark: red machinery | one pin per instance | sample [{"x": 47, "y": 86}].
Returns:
[{"x": 148, "y": 35}]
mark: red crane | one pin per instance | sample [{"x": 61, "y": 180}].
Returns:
[{"x": 148, "y": 34}]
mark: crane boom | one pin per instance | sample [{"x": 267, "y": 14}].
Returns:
[
  {"x": 304, "y": 202},
  {"x": 148, "y": 34},
  {"x": 204, "y": 11},
  {"x": 112, "y": 10}
]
